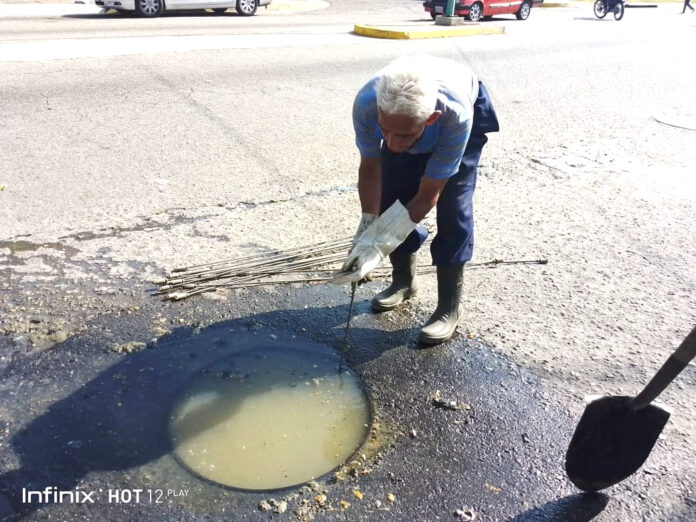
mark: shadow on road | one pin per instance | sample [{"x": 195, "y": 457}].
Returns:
[
  {"x": 582, "y": 507},
  {"x": 113, "y": 14},
  {"x": 118, "y": 419},
  {"x": 595, "y": 19}
]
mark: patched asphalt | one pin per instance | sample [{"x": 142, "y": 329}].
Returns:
[{"x": 81, "y": 415}]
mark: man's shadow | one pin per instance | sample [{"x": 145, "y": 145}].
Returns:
[
  {"x": 119, "y": 419},
  {"x": 581, "y": 507}
]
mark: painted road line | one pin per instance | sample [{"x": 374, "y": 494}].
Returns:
[
  {"x": 407, "y": 32},
  {"x": 99, "y": 47}
]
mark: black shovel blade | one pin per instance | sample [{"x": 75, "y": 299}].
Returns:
[{"x": 612, "y": 441}]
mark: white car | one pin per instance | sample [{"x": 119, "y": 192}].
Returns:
[{"x": 151, "y": 8}]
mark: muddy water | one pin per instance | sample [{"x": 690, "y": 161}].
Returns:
[{"x": 270, "y": 417}]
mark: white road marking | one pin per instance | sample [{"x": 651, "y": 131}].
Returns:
[{"x": 28, "y": 51}]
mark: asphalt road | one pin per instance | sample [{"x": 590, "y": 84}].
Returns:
[{"x": 121, "y": 158}]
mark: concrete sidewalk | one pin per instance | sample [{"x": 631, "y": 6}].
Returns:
[
  {"x": 36, "y": 9},
  {"x": 33, "y": 8}
]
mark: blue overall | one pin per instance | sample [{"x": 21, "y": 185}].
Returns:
[{"x": 401, "y": 175}]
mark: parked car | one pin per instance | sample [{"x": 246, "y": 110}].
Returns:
[
  {"x": 150, "y": 8},
  {"x": 474, "y": 10}
]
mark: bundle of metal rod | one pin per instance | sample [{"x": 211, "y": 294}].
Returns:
[
  {"x": 256, "y": 269},
  {"x": 304, "y": 264}
]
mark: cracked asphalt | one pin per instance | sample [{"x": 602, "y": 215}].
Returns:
[{"x": 116, "y": 169}]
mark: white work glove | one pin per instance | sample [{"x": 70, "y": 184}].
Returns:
[
  {"x": 365, "y": 221},
  {"x": 380, "y": 239}
]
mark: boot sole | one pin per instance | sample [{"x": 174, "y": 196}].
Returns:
[
  {"x": 381, "y": 308},
  {"x": 432, "y": 340}
]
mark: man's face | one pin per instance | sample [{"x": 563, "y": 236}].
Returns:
[{"x": 400, "y": 132}]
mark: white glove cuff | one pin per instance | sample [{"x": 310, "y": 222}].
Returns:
[
  {"x": 389, "y": 230},
  {"x": 397, "y": 220}
]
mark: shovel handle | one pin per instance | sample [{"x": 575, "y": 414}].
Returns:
[{"x": 665, "y": 375}]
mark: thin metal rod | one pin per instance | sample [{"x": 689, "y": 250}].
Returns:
[
  {"x": 244, "y": 268},
  {"x": 300, "y": 249},
  {"x": 261, "y": 271},
  {"x": 303, "y": 264},
  {"x": 353, "y": 287}
]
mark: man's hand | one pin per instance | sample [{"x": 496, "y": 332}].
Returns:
[
  {"x": 370, "y": 192},
  {"x": 379, "y": 240},
  {"x": 370, "y": 184}
]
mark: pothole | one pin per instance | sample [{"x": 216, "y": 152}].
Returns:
[{"x": 270, "y": 417}]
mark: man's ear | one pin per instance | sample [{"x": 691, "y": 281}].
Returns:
[{"x": 433, "y": 118}]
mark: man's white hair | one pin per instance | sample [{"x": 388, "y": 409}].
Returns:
[{"x": 408, "y": 87}]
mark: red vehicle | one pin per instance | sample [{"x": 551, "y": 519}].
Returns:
[{"x": 474, "y": 10}]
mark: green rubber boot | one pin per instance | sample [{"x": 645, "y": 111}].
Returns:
[
  {"x": 403, "y": 283},
  {"x": 442, "y": 324}
]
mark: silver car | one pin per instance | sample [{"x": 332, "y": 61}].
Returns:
[{"x": 151, "y": 8}]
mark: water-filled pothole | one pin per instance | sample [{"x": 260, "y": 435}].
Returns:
[{"x": 270, "y": 417}]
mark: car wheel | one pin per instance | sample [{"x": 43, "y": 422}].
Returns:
[
  {"x": 246, "y": 7},
  {"x": 433, "y": 15},
  {"x": 149, "y": 8},
  {"x": 619, "y": 11},
  {"x": 600, "y": 9},
  {"x": 475, "y": 12},
  {"x": 220, "y": 11},
  {"x": 524, "y": 11}
]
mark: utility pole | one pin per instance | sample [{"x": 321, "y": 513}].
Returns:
[{"x": 449, "y": 18}]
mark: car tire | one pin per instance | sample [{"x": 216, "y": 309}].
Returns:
[
  {"x": 475, "y": 12},
  {"x": 618, "y": 11},
  {"x": 524, "y": 12},
  {"x": 433, "y": 15},
  {"x": 247, "y": 7},
  {"x": 600, "y": 9},
  {"x": 149, "y": 8},
  {"x": 220, "y": 10}
]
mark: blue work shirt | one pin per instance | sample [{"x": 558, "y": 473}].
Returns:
[{"x": 446, "y": 139}]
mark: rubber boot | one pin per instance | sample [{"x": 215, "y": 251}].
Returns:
[
  {"x": 403, "y": 283},
  {"x": 442, "y": 324}
]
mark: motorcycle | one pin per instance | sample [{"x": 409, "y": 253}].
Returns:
[{"x": 602, "y": 7}]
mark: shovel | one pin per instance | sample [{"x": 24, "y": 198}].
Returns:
[{"x": 616, "y": 434}]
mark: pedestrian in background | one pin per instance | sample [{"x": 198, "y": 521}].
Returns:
[{"x": 687, "y": 3}]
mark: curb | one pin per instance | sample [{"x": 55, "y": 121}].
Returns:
[{"x": 400, "y": 32}]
